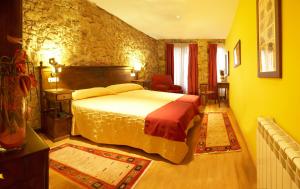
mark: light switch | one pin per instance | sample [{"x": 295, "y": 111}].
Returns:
[{"x": 53, "y": 79}]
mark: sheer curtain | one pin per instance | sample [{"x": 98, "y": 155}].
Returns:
[
  {"x": 221, "y": 64},
  {"x": 181, "y": 65},
  {"x": 220, "y": 60}
]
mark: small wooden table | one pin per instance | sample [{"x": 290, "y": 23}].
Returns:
[
  {"x": 58, "y": 122},
  {"x": 223, "y": 85}
]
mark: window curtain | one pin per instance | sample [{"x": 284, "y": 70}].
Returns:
[
  {"x": 212, "y": 67},
  {"x": 181, "y": 65},
  {"x": 170, "y": 60},
  {"x": 193, "y": 69}
]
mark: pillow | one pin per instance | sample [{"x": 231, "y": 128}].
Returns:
[
  {"x": 119, "y": 88},
  {"x": 91, "y": 92}
]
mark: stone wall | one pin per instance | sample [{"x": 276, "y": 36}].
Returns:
[
  {"x": 202, "y": 55},
  {"x": 77, "y": 32}
]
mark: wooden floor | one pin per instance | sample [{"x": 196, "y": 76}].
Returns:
[{"x": 230, "y": 170}]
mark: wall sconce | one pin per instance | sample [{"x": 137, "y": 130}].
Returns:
[
  {"x": 137, "y": 68},
  {"x": 56, "y": 67},
  {"x": 55, "y": 70},
  {"x": 132, "y": 74}
]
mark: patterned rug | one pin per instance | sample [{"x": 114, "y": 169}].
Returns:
[
  {"x": 216, "y": 134},
  {"x": 97, "y": 169}
]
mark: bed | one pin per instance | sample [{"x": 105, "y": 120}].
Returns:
[{"x": 118, "y": 118}]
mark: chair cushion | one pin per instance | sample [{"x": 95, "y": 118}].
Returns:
[
  {"x": 162, "y": 79},
  {"x": 164, "y": 83},
  {"x": 176, "y": 87},
  {"x": 161, "y": 87}
]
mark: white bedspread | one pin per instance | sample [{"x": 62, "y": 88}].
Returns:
[{"x": 119, "y": 119}]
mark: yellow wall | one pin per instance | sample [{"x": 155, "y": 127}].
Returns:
[{"x": 251, "y": 96}]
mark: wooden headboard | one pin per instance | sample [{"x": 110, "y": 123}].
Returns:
[{"x": 81, "y": 77}]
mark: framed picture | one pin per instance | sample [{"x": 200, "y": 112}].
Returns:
[
  {"x": 237, "y": 54},
  {"x": 227, "y": 63},
  {"x": 269, "y": 38}
]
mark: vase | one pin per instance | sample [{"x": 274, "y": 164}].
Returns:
[
  {"x": 13, "y": 140},
  {"x": 12, "y": 114}
]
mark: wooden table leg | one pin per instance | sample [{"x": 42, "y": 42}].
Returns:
[{"x": 218, "y": 91}]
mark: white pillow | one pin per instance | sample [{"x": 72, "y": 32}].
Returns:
[
  {"x": 119, "y": 88},
  {"x": 90, "y": 92}
]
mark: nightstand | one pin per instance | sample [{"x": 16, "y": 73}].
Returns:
[
  {"x": 144, "y": 83},
  {"x": 57, "y": 113}
]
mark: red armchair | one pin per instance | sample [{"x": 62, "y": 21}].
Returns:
[{"x": 164, "y": 83}]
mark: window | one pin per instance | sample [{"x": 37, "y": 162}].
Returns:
[
  {"x": 181, "y": 65},
  {"x": 221, "y": 62}
]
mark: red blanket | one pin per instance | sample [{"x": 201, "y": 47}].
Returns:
[
  {"x": 195, "y": 100},
  {"x": 170, "y": 121}
]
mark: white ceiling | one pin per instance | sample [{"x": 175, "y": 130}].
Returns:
[{"x": 175, "y": 19}]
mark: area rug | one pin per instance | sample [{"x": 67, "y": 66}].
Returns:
[
  {"x": 97, "y": 169},
  {"x": 216, "y": 134}
]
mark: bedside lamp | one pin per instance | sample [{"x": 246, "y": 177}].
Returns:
[
  {"x": 56, "y": 69},
  {"x": 137, "y": 68},
  {"x": 132, "y": 73}
]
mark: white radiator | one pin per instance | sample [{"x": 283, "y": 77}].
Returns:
[{"x": 278, "y": 157}]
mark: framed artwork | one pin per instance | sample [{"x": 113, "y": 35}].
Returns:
[
  {"x": 269, "y": 38},
  {"x": 237, "y": 54},
  {"x": 227, "y": 63}
]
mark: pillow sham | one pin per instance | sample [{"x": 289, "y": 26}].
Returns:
[
  {"x": 91, "y": 92},
  {"x": 119, "y": 88}
]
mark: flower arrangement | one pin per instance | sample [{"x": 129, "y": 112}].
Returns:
[{"x": 16, "y": 81}]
